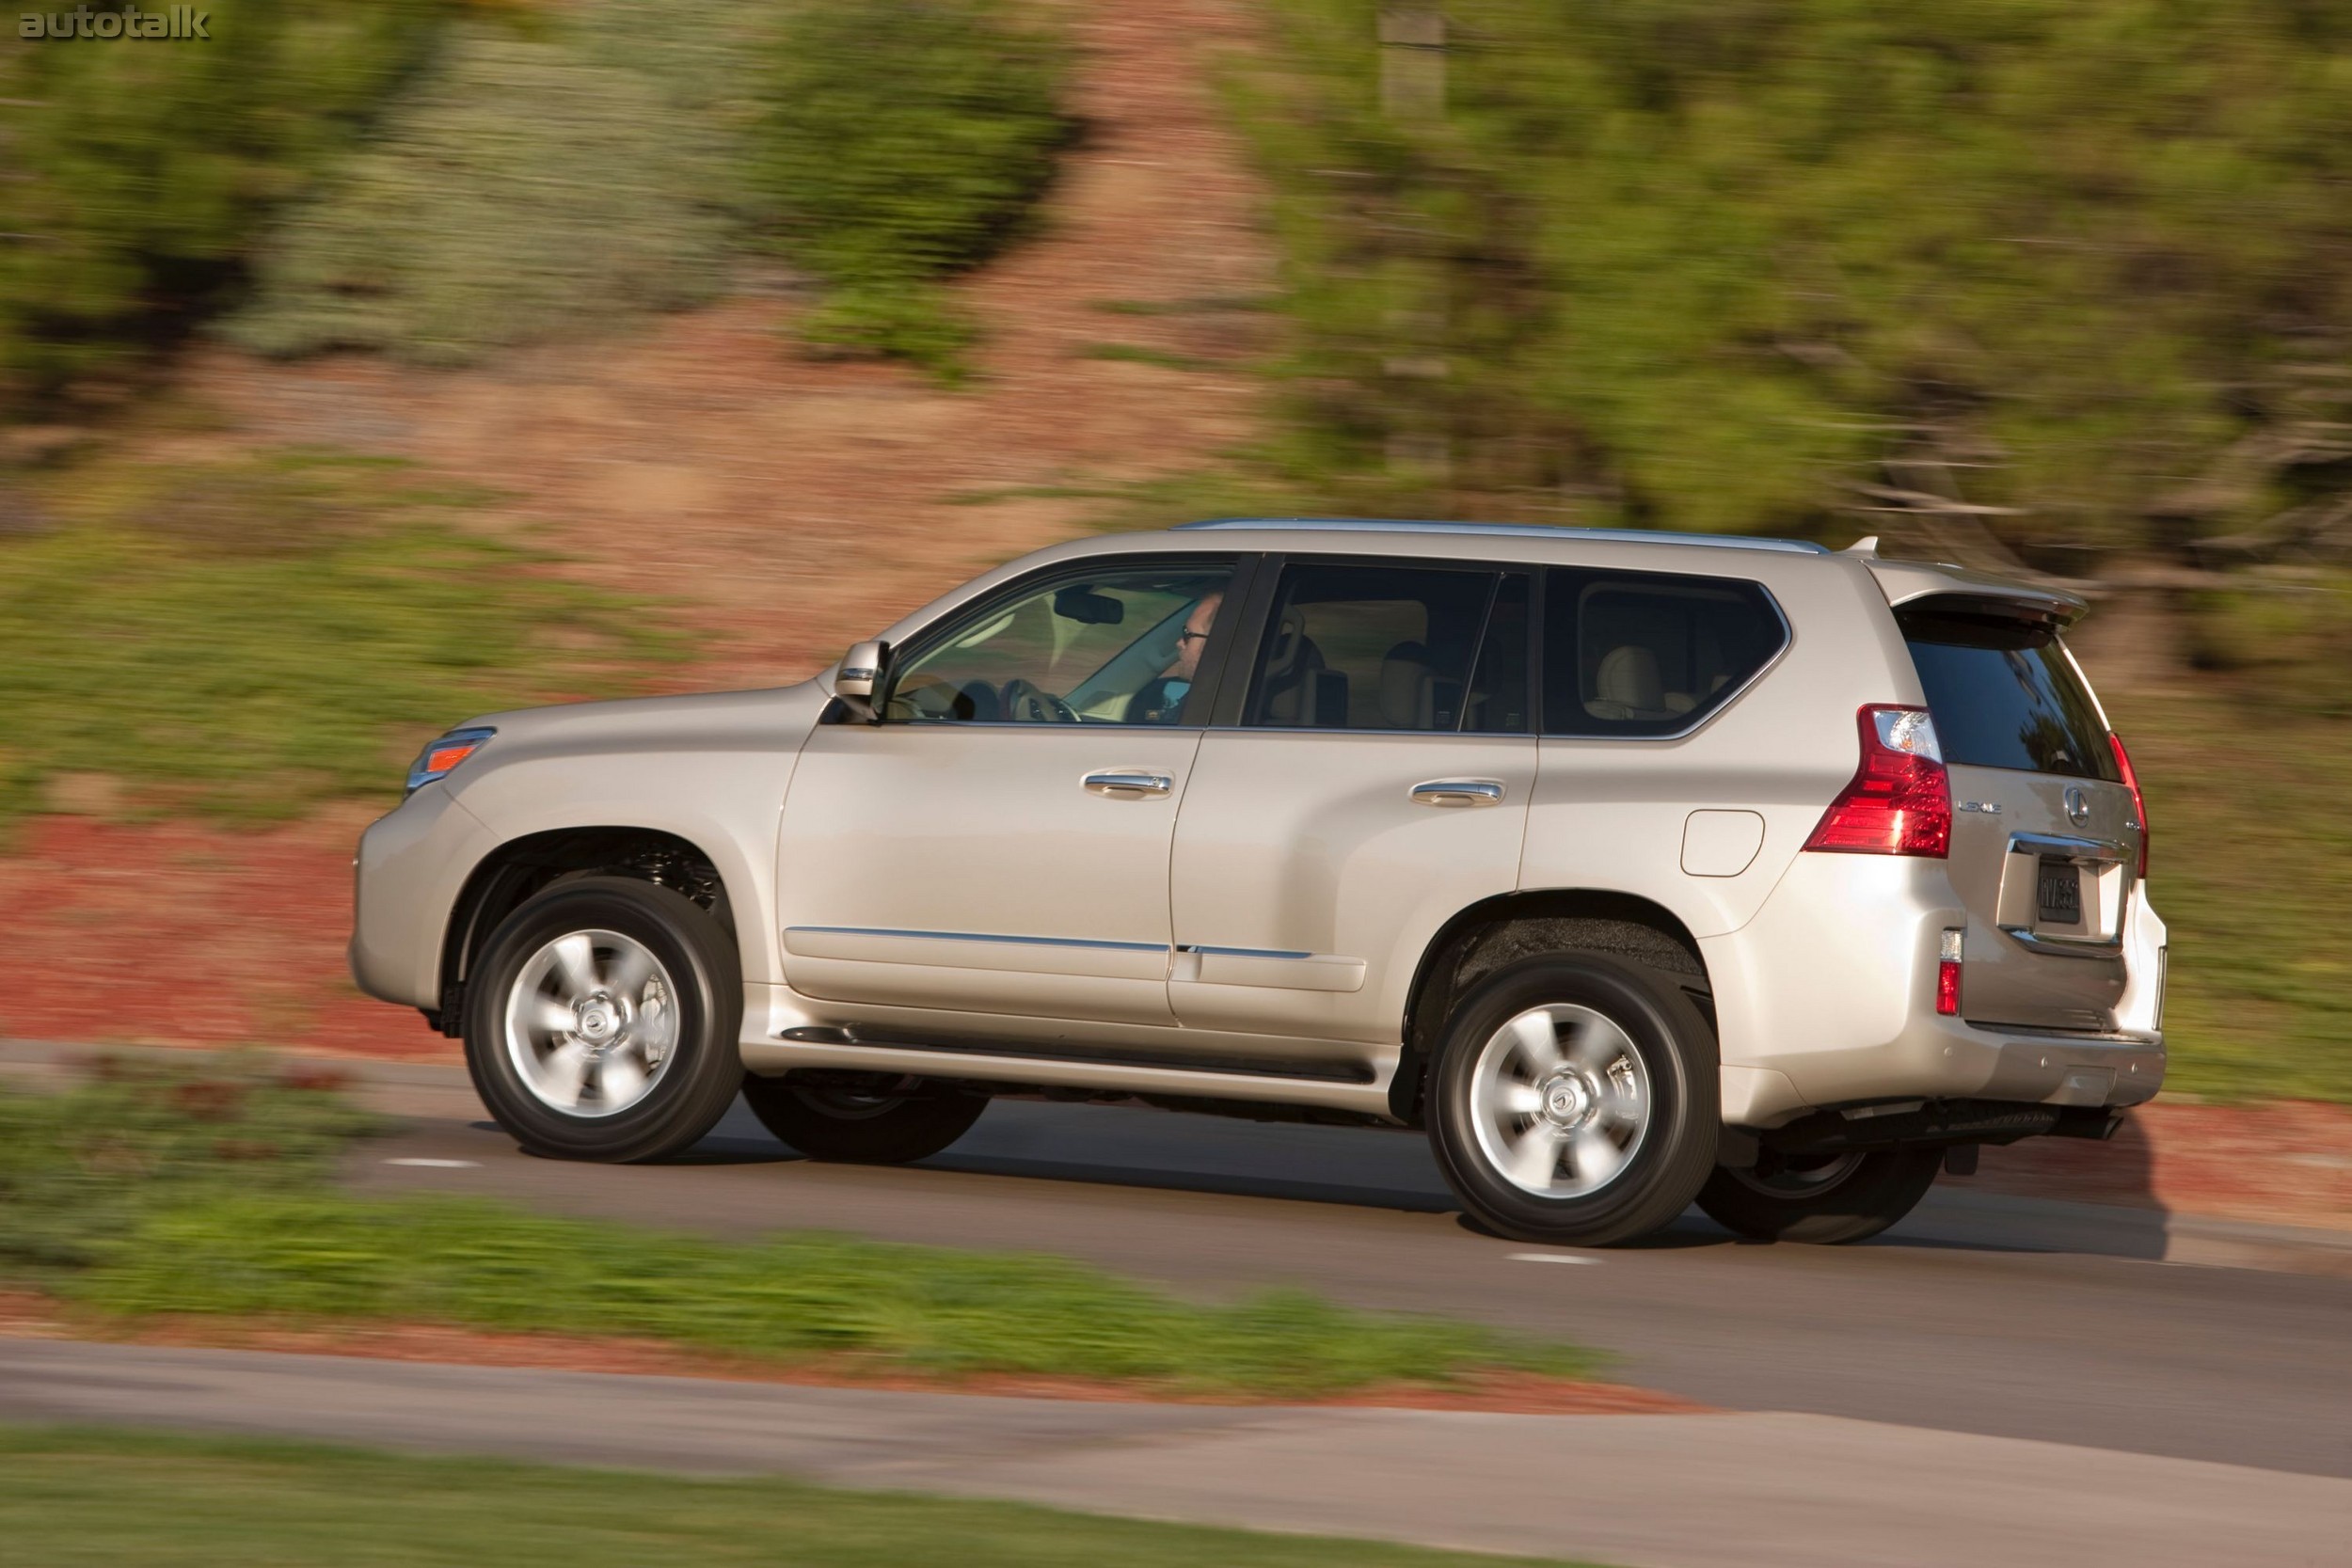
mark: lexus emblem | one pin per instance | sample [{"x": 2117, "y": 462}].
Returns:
[{"x": 2077, "y": 805}]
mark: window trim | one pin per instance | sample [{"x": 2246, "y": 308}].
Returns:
[
  {"x": 1540, "y": 640},
  {"x": 1233, "y": 697},
  {"x": 1209, "y": 678}
]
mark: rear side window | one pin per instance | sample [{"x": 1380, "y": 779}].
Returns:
[
  {"x": 1640, "y": 655},
  {"x": 1353, "y": 648},
  {"x": 2005, "y": 695}
]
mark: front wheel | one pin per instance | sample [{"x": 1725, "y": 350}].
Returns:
[
  {"x": 601, "y": 1021},
  {"x": 1826, "y": 1198},
  {"x": 856, "y": 1128},
  {"x": 1573, "y": 1100}
]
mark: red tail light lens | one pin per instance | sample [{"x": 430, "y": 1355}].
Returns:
[
  {"x": 2139, "y": 805},
  {"x": 1947, "y": 972},
  {"x": 1900, "y": 801}
]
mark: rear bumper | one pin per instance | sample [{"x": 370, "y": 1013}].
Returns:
[{"x": 1827, "y": 999}]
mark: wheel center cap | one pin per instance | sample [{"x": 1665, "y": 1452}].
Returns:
[
  {"x": 598, "y": 1023},
  {"x": 1566, "y": 1101}
]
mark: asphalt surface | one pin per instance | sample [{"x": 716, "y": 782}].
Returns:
[{"x": 2006, "y": 1318}]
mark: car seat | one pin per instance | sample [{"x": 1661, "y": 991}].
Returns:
[
  {"x": 1298, "y": 689},
  {"x": 1628, "y": 686}
]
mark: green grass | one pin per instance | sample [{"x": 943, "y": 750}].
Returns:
[
  {"x": 168, "y": 1190},
  {"x": 213, "y": 1503},
  {"x": 792, "y": 1297},
  {"x": 249, "y": 638},
  {"x": 81, "y": 1171},
  {"x": 2252, "y": 868}
]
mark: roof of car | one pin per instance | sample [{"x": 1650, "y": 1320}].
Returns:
[{"x": 1539, "y": 530}]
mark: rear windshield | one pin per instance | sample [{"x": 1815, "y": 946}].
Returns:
[{"x": 2006, "y": 695}]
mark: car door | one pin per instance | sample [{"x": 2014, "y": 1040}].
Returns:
[
  {"x": 998, "y": 843},
  {"x": 1374, "y": 783}
]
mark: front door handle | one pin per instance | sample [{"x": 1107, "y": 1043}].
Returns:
[
  {"x": 1458, "y": 792},
  {"x": 1129, "y": 784}
]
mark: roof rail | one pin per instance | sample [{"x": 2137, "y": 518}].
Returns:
[{"x": 1619, "y": 535}]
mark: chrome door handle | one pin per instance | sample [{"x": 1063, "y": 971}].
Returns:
[
  {"x": 1458, "y": 792},
  {"x": 1129, "y": 784}
]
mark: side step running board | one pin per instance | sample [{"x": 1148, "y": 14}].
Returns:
[{"x": 821, "y": 1047}]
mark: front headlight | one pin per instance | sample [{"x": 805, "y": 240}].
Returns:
[{"x": 435, "y": 760}]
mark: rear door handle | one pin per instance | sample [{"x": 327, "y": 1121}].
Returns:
[
  {"x": 1458, "y": 792},
  {"x": 1129, "y": 784}
]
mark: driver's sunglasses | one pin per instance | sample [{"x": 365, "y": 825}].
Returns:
[{"x": 1188, "y": 636}]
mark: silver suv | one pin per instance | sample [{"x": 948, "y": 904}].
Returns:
[{"x": 1636, "y": 868}]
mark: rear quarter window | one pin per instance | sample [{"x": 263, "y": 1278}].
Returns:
[
  {"x": 1643, "y": 656},
  {"x": 2005, "y": 694}
]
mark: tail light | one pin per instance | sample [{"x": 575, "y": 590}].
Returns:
[
  {"x": 1900, "y": 801},
  {"x": 2139, "y": 805}
]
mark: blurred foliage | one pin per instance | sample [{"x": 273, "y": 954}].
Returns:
[
  {"x": 903, "y": 141},
  {"x": 138, "y": 174},
  {"x": 881, "y": 1305},
  {"x": 1714, "y": 264},
  {"x": 79, "y": 1170},
  {"x": 202, "y": 1502},
  {"x": 2281, "y": 640},
  {"x": 537, "y": 181},
  {"x": 248, "y": 639},
  {"x": 2250, "y": 865}
]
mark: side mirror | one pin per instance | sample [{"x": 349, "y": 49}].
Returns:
[{"x": 865, "y": 669}]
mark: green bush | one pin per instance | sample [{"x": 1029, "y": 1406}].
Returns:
[
  {"x": 903, "y": 141},
  {"x": 137, "y": 173},
  {"x": 529, "y": 186}
]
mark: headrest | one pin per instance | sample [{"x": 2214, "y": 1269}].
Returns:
[
  {"x": 1629, "y": 675},
  {"x": 1405, "y": 686},
  {"x": 1290, "y": 643}
]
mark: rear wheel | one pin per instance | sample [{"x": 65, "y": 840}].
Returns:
[
  {"x": 854, "y": 1127},
  {"x": 600, "y": 1024},
  {"x": 1573, "y": 1100},
  {"x": 1826, "y": 1198}
]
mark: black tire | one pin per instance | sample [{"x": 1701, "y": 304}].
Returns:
[
  {"x": 702, "y": 1066},
  {"x": 1660, "y": 1035},
  {"x": 860, "y": 1129},
  {"x": 1846, "y": 1199}
]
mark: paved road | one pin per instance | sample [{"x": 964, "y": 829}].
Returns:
[
  {"x": 1998, "y": 1317},
  {"x": 1732, "y": 1490}
]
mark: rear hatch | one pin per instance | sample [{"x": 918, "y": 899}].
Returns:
[{"x": 2045, "y": 842}]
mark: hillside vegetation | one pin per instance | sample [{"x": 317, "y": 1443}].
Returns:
[
  {"x": 440, "y": 180},
  {"x": 2079, "y": 271}
]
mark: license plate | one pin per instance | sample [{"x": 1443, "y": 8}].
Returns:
[{"x": 2060, "y": 890}]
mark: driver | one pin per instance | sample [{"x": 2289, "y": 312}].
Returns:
[{"x": 1162, "y": 699}]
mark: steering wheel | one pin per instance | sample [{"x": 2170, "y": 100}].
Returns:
[{"x": 1028, "y": 702}]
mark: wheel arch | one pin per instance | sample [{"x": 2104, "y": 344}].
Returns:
[
  {"x": 1495, "y": 931},
  {"x": 519, "y": 868}
]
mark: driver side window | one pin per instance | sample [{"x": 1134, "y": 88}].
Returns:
[{"x": 1111, "y": 647}]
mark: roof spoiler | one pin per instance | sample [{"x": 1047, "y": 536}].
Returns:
[{"x": 1958, "y": 590}]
